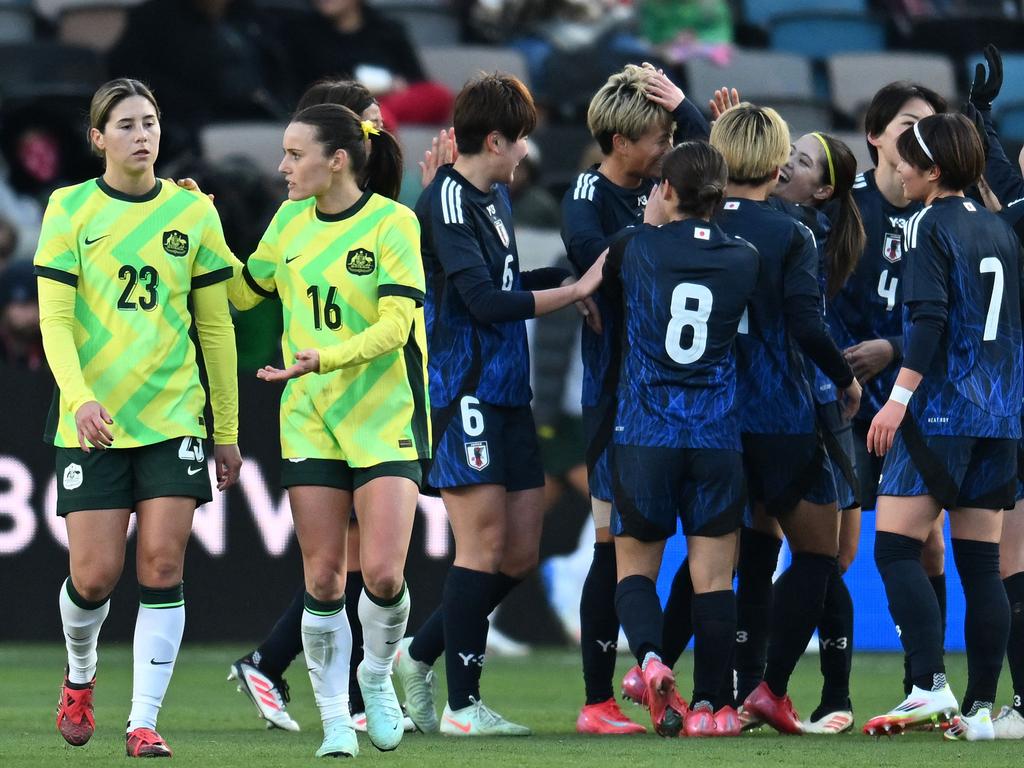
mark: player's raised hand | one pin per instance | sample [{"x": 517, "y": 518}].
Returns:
[
  {"x": 306, "y": 361},
  {"x": 654, "y": 213},
  {"x": 91, "y": 421},
  {"x": 229, "y": 463},
  {"x": 661, "y": 90},
  {"x": 442, "y": 151},
  {"x": 724, "y": 99},
  {"x": 986, "y": 86},
  {"x": 191, "y": 185},
  {"x": 883, "y": 427}
]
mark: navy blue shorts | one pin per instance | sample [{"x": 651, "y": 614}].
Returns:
[
  {"x": 598, "y": 421},
  {"x": 497, "y": 444},
  {"x": 782, "y": 470},
  {"x": 1020, "y": 469},
  {"x": 655, "y": 486},
  {"x": 979, "y": 472},
  {"x": 837, "y": 432}
]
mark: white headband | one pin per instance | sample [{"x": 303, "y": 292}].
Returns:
[{"x": 917, "y": 133}]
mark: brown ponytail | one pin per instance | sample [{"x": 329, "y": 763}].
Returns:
[{"x": 846, "y": 241}]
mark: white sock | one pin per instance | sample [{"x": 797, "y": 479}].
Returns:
[
  {"x": 81, "y": 631},
  {"x": 158, "y": 630},
  {"x": 383, "y": 628},
  {"x": 327, "y": 643}
]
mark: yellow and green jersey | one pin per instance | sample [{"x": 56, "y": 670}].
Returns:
[
  {"x": 133, "y": 261},
  {"x": 331, "y": 271}
]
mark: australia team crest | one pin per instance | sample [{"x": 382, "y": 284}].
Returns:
[
  {"x": 892, "y": 250},
  {"x": 175, "y": 242},
  {"x": 477, "y": 455}
]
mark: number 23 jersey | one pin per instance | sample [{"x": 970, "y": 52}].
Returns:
[
  {"x": 330, "y": 270},
  {"x": 133, "y": 259}
]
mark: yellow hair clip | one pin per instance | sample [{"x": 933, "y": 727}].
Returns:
[{"x": 369, "y": 128}]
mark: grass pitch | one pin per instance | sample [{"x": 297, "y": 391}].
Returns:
[{"x": 208, "y": 724}]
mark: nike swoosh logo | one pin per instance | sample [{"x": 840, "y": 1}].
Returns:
[
  {"x": 192, "y": 471},
  {"x": 156, "y": 663},
  {"x": 290, "y": 259},
  {"x": 464, "y": 728},
  {"x": 95, "y": 240},
  {"x": 615, "y": 723}
]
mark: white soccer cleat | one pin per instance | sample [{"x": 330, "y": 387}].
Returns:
[
  {"x": 269, "y": 696},
  {"x": 384, "y": 714},
  {"x": 830, "y": 724},
  {"x": 1008, "y": 724},
  {"x": 359, "y": 722},
  {"x": 919, "y": 708},
  {"x": 339, "y": 740},
  {"x": 419, "y": 684},
  {"x": 478, "y": 720},
  {"x": 976, "y": 727}
]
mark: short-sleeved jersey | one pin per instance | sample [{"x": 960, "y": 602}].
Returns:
[
  {"x": 774, "y": 395},
  {"x": 685, "y": 286},
  {"x": 868, "y": 307},
  {"x": 133, "y": 261},
  {"x": 963, "y": 257},
  {"x": 462, "y": 228},
  {"x": 593, "y": 211},
  {"x": 330, "y": 270}
]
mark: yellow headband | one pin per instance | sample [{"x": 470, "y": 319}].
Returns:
[
  {"x": 828, "y": 156},
  {"x": 369, "y": 128}
]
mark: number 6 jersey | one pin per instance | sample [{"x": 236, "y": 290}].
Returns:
[{"x": 685, "y": 287}]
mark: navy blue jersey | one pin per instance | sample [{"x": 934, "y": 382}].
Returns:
[
  {"x": 774, "y": 395},
  {"x": 1013, "y": 215},
  {"x": 868, "y": 307},
  {"x": 965, "y": 259},
  {"x": 463, "y": 227},
  {"x": 822, "y": 388},
  {"x": 593, "y": 211},
  {"x": 685, "y": 286}
]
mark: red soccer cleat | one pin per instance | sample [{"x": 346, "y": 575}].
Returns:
[
  {"x": 700, "y": 721},
  {"x": 776, "y": 711},
  {"x": 667, "y": 709},
  {"x": 634, "y": 688},
  {"x": 727, "y": 722},
  {"x": 75, "y": 719},
  {"x": 606, "y": 719},
  {"x": 145, "y": 742}
]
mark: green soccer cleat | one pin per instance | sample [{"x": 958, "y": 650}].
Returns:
[
  {"x": 420, "y": 687},
  {"x": 384, "y": 716}
]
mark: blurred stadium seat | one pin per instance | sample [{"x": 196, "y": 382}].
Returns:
[
  {"x": 92, "y": 26},
  {"x": 17, "y": 24},
  {"x": 820, "y": 35},
  {"x": 39, "y": 68},
  {"x": 454, "y": 65},
  {"x": 257, "y": 141},
  {"x": 427, "y": 23},
  {"x": 761, "y": 12},
  {"x": 858, "y": 145},
  {"x": 855, "y": 77},
  {"x": 758, "y": 75}
]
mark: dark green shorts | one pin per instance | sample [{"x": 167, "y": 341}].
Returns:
[
  {"x": 118, "y": 478},
  {"x": 334, "y": 473},
  {"x": 563, "y": 446}
]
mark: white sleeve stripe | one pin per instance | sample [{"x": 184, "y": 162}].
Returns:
[
  {"x": 584, "y": 189},
  {"x": 913, "y": 225},
  {"x": 458, "y": 204},
  {"x": 451, "y": 201},
  {"x": 444, "y": 201}
]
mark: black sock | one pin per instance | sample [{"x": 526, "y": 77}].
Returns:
[
  {"x": 599, "y": 625},
  {"x": 759, "y": 555},
  {"x": 1015, "y": 647},
  {"x": 835, "y": 646},
  {"x": 939, "y": 588},
  {"x": 503, "y": 584},
  {"x": 679, "y": 615},
  {"x": 284, "y": 642},
  {"x": 714, "y": 622},
  {"x": 466, "y": 603},
  {"x": 353, "y": 591},
  {"x": 986, "y": 621},
  {"x": 912, "y": 605},
  {"x": 639, "y": 610},
  {"x": 799, "y": 600}
]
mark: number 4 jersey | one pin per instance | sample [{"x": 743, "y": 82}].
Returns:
[
  {"x": 685, "y": 288},
  {"x": 133, "y": 261},
  {"x": 330, "y": 271},
  {"x": 964, "y": 259}
]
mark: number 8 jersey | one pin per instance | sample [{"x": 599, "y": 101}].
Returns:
[
  {"x": 685, "y": 288},
  {"x": 966, "y": 260},
  {"x": 133, "y": 259}
]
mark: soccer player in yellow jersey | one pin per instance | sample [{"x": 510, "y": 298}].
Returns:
[
  {"x": 119, "y": 259},
  {"x": 354, "y": 412}
]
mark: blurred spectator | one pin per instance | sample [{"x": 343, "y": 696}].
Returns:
[
  {"x": 21, "y": 343},
  {"x": 534, "y": 205},
  {"x": 349, "y": 39},
  {"x": 686, "y": 29},
  {"x": 20, "y": 219},
  {"x": 207, "y": 61}
]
